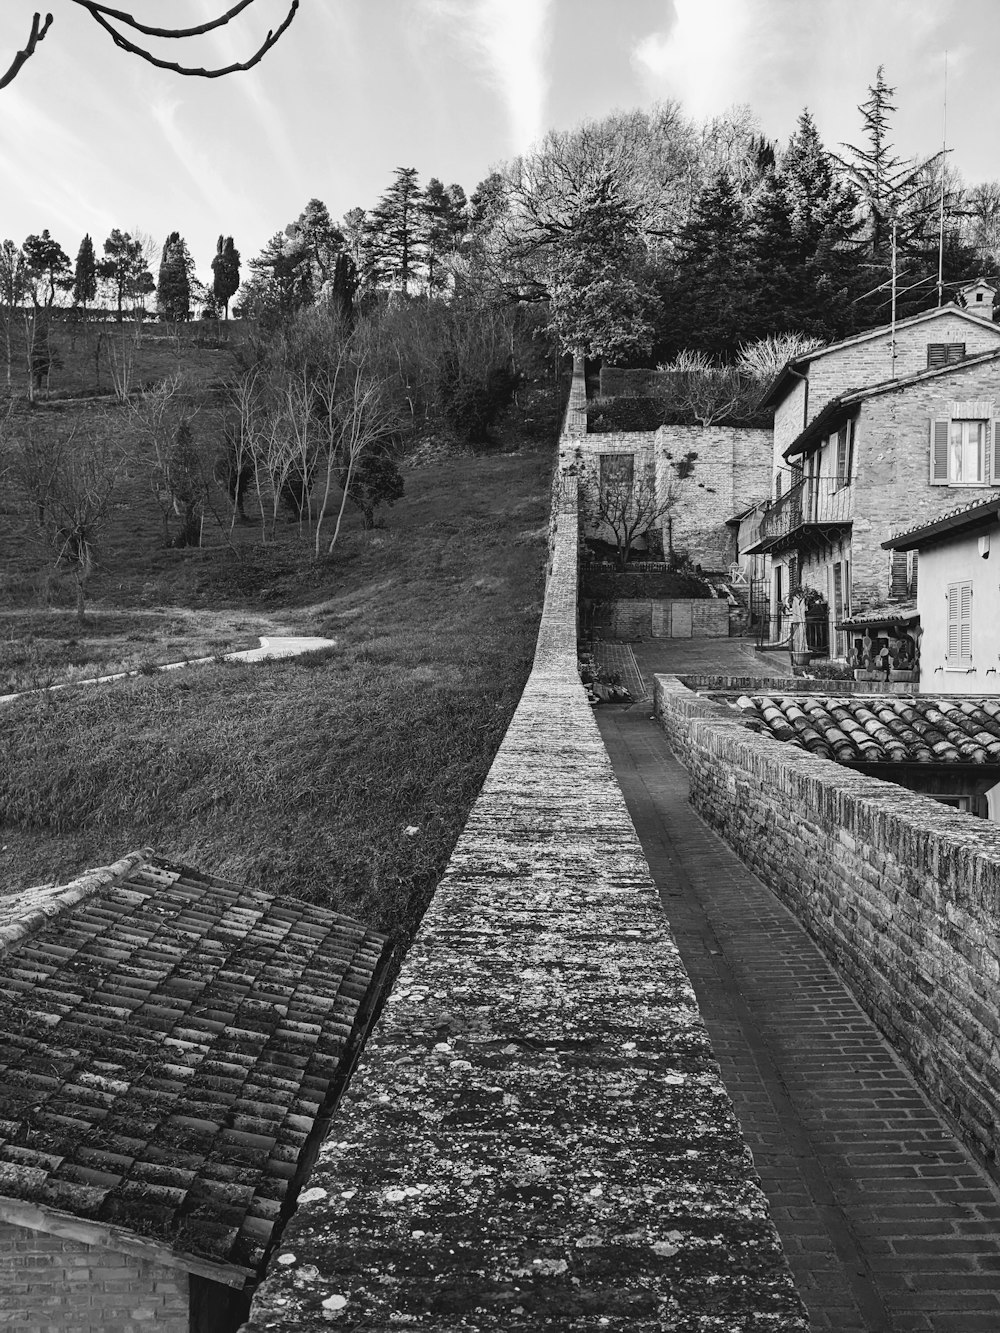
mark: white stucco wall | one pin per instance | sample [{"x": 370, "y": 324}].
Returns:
[{"x": 953, "y": 562}]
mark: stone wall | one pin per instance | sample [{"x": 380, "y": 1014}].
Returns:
[
  {"x": 537, "y": 1133},
  {"x": 712, "y": 471},
  {"x": 901, "y": 892},
  {"x": 663, "y": 618},
  {"x": 715, "y": 472},
  {"x": 48, "y": 1284}
]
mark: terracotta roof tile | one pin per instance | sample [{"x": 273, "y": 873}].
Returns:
[
  {"x": 169, "y": 1042},
  {"x": 882, "y": 729}
]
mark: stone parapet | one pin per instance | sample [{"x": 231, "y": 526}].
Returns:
[
  {"x": 900, "y": 891},
  {"x": 537, "y": 1133}
]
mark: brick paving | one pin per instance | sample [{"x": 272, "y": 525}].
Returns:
[
  {"x": 610, "y": 655},
  {"x": 888, "y": 1224}
]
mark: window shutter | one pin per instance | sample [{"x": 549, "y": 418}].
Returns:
[
  {"x": 965, "y": 618},
  {"x": 996, "y": 453},
  {"x": 951, "y": 652},
  {"x": 943, "y": 354},
  {"x": 843, "y": 475},
  {"x": 939, "y": 452}
]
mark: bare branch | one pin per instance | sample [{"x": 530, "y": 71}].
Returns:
[
  {"x": 103, "y": 15},
  {"x": 38, "y": 31},
  {"x": 96, "y": 12},
  {"x": 94, "y": 7}
]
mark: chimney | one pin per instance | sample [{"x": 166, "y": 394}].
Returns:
[{"x": 978, "y": 298}]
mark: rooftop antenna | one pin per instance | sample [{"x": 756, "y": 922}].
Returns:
[
  {"x": 944, "y": 151},
  {"x": 892, "y": 335}
]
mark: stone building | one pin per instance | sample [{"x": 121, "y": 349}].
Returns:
[
  {"x": 700, "y": 476},
  {"x": 173, "y": 1047},
  {"x": 870, "y": 435},
  {"x": 958, "y": 598}
]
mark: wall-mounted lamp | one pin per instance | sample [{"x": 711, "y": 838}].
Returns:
[{"x": 984, "y": 546}]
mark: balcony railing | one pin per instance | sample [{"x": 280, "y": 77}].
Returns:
[{"x": 815, "y": 509}]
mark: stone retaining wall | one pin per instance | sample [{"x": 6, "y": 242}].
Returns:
[
  {"x": 537, "y": 1132},
  {"x": 663, "y": 618},
  {"x": 901, "y": 892}
]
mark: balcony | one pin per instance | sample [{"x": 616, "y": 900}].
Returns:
[{"x": 815, "y": 512}]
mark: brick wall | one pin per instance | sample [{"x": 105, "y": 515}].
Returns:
[
  {"x": 901, "y": 892},
  {"x": 892, "y": 488},
  {"x": 870, "y": 361},
  {"x": 48, "y": 1284},
  {"x": 732, "y": 467},
  {"x": 664, "y": 618}
]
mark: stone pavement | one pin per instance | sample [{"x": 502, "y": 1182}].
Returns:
[{"x": 888, "y": 1224}]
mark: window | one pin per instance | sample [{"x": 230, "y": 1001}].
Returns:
[
  {"x": 967, "y": 453},
  {"x": 958, "y": 653},
  {"x": 943, "y": 354},
  {"x": 844, "y": 458},
  {"x": 960, "y": 450},
  {"x": 617, "y": 470}
]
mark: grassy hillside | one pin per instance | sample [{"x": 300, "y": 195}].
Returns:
[{"x": 344, "y": 777}]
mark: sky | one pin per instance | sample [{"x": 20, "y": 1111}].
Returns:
[{"x": 92, "y": 138}]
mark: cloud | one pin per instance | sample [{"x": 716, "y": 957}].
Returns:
[
  {"x": 511, "y": 40},
  {"x": 703, "y": 57}
]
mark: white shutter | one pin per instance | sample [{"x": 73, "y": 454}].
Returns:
[
  {"x": 996, "y": 453},
  {"x": 965, "y": 622},
  {"x": 951, "y": 650},
  {"x": 939, "y": 452}
]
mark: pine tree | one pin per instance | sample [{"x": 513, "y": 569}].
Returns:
[
  {"x": 173, "y": 291},
  {"x": 317, "y": 234},
  {"x": 225, "y": 272},
  {"x": 803, "y": 240},
  {"x": 124, "y": 268},
  {"x": 600, "y": 297},
  {"x": 889, "y": 186},
  {"x": 85, "y": 279},
  {"x": 393, "y": 233},
  {"x": 48, "y": 268},
  {"x": 706, "y": 298},
  {"x": 444, "y": 224}
]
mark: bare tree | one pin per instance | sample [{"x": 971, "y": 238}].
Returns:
[
  {"x": 629, "y": 505},
  {"x": 118, "y": 24},
  {"x": 73, "y": 483}
]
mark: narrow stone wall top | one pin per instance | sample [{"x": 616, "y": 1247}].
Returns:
[{"x": 538, "y": 1134}]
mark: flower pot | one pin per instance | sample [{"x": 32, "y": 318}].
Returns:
[
  {"x": 863, "y": 674},
  {"x": 908, "y": 675},
  {"x": 801, "y": 657}
]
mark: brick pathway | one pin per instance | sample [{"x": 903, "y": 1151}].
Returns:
[
  {"x": 888, "y": 1225},
  {"x": 611, "y": 655}
]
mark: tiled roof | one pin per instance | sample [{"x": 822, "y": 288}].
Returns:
[
  {"x": 896, "y": 614},
  {"x": 951, "y": 520},
  {"x": 881, "y": 730},
  {"x": 168, "y": 1040}
]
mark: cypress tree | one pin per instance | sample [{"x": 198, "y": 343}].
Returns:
[
  {"x": 173, "y": 291},
  {"x": 225, "y": 272},
  {"x": 85, "y": 280}
]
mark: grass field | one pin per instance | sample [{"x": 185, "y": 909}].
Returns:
[{"x": 343, "y": 777}]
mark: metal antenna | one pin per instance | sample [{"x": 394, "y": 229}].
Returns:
[{"x": 944, "y": 151}]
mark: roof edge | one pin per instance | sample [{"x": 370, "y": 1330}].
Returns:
[
  {"x": 851, "y": 397},
  {"x": 54, "y": 1222},
  {"x": 969, "y": 516},
  {"x": 61, "y": 899}
]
